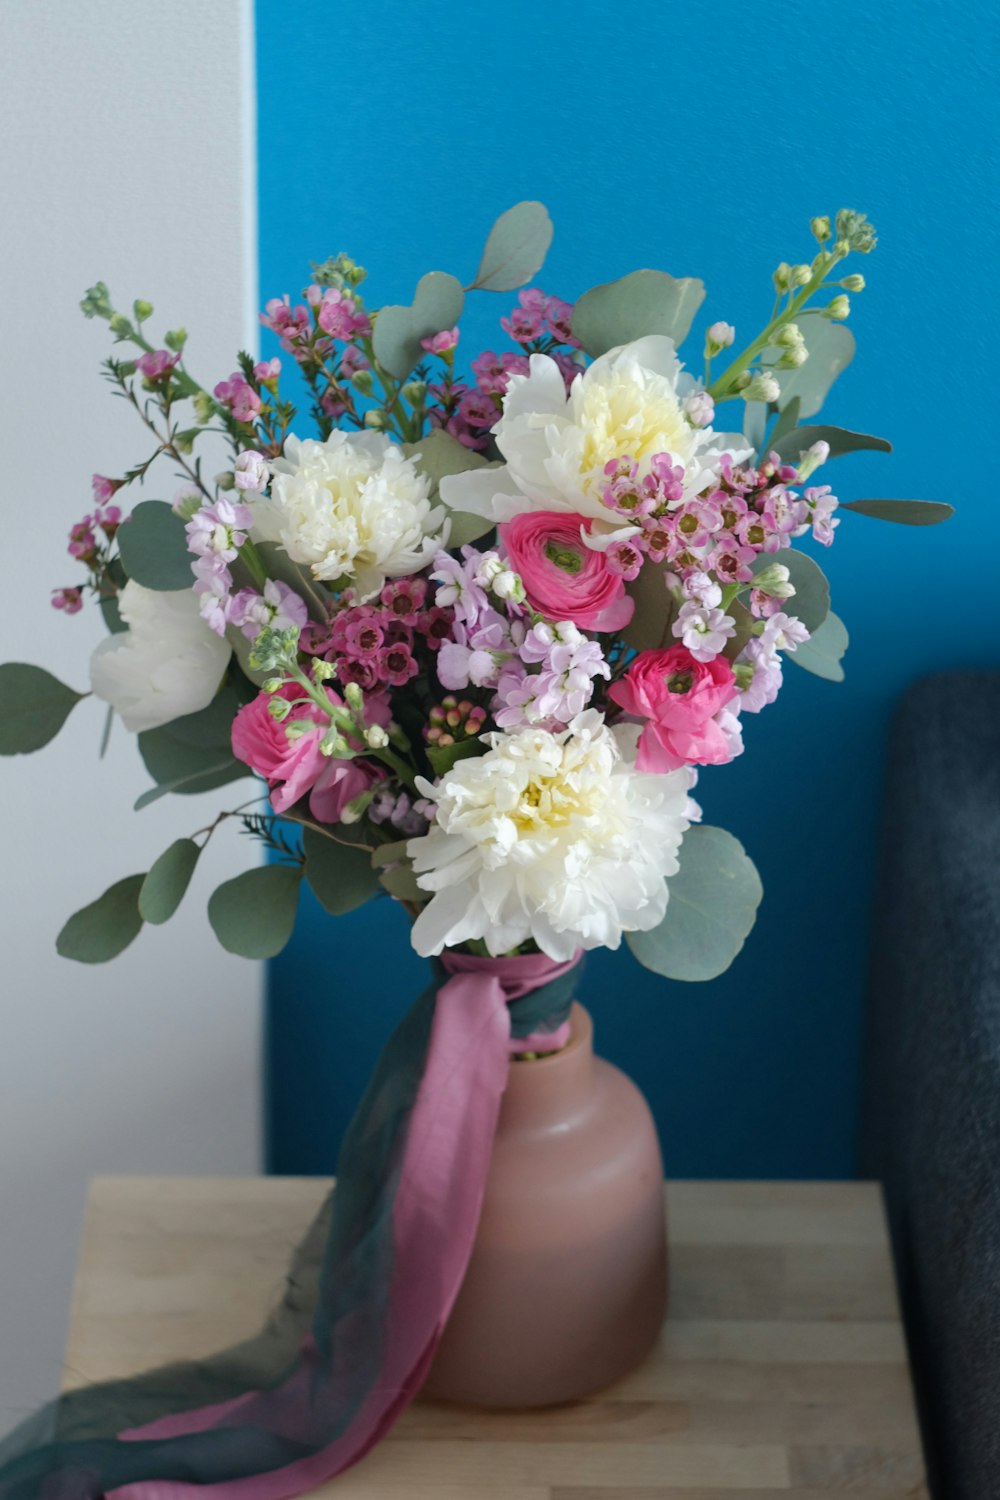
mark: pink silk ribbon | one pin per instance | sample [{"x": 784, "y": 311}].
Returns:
[{"x": 435, "y": 1217}]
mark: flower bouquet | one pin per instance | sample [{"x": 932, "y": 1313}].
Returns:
[{"x": 475, "y": 634}]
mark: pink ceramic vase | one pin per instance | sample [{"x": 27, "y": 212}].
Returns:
[{"x": 566, "y": 1288}]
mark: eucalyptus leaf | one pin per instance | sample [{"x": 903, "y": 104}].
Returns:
[
  {"x": 903, "y": 512},
  {"x": 211, "y": 727},
  {"x": 254, "y": 914},
  {"x": 111, "y": 615},
  {"x": 105, "y": 928},
  {"x": 515, "y": 248},
  {"x": 164, "y": 887},
  {"x": 34, "y": 706},
  {"x": 655, "y": 610},
  {"x": 641, "y": 303},
  {"x": 439, "y": 456},
  {"x": 821, "y": 654},
  {"x": 744, "y": 622},
  {"x": 400, "y": 881},
  {"x": 177, "y": 766},
  {"x": 831, "y": 348},
  {"x": 341, "y": 878},
  {"x": 437, "y": 305},
  {"x": 787, "y": 420},
  {"x": 712, "y": 906},
  {"x": 811, "y": 601},
  {"x": 443, "y": 757},
  {"x": 755, "y": 424},
  {"x": 153, "y": 548},
  {"x": 793, "y": 444},
  {"x": 389, "y": 854}
]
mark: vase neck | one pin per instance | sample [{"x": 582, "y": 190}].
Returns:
[{"x": 546, "y": 1089}]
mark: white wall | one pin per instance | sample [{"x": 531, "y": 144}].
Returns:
[{"x": 126, "y": 154}]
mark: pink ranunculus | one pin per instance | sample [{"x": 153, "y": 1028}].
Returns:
[
  {"x": 297, "y": 766},
  {"x": 563, "y": 578},
  {"x": 679, "y": 697}
]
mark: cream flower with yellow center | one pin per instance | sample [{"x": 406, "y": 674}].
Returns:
[
  {"x": 550, "y": 837},
  {"x": 627, "y": 404}
]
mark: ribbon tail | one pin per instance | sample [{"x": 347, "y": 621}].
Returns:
[{"x": 439, "y": 1190}]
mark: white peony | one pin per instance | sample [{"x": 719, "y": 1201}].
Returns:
[
  {"x": 629, "y": 403},
  {"x": 554, "y": 837},
  {"x": 353, "y": 508},
  {"x": 167, "y": 664}
]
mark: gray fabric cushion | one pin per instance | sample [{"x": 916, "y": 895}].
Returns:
[{"x": 931, "y": 1123}]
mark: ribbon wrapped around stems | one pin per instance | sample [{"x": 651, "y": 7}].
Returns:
[{"x": 369, "y": 1290}]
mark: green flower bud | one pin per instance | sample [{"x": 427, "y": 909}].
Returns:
[
  {"x": 333, "y": 743},
  {"x": 743, "y": 379},
  {"x": 96, "y": 302},
  {"x": 820, "y": 228},
  {"x": 120, "y": 326},
  {"x": 780, "y": 277},
  {"x": 794, "y": 358},
  {"x": 839, "y": 308},
  {"x": 363, "y": 381},
  {"x": 175, "y": 339},
  {"x": 855, "y": 283},
  {"x": 775, "y": 581},
  {"x": 279, "y": 708},
  {"x": 762, "y": 387},
  {"x": 273, "y": 684},
  {"x": 743, "y": 672},
  {"x": 354, "y": 697},
  {"x": 414, "y": 391},
  {"x": 204, "y": 407},
  {"x": 356, "y": 809},
  {"x": 789, "y": 337},
  {"x": 377, "y": 419},
  {"x": 376, "y": 737},
  {"x": 322, "y": 670},
  {"x": 187, "y": 504},
  {"x": 856, "y": 230},
  {"x": 142, "y": 310},
  {"x": 800, "y": 275},
  {"x": 226, "y": 480},
  {"x": 184, "y": 441}
]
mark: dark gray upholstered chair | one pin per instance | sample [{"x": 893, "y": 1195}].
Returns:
[{"x": 931, "y": 1116}]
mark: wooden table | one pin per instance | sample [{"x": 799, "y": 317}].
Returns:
[{"x": 782, "y": 1370}]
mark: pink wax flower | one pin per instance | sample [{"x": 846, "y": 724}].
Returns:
[
  {"x": 293, "y": 767},
  {"x": 70, "y": 600},
  {"x": 82, "y": 541},
  {"x": 267, "y": 371},
  {"x": 104, "y": 489},
  {"x": 679, "y": 698},
  {"x": 339, "y": 316},
  {"x": 563, "y": 577},
  {"x": 289, "y": 323},
  {"x": 441, "y": 343},
  {"x": 239, "y": 396},
  {"x": 156, "y": 365}
]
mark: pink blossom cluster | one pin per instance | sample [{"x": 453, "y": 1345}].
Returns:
[
  {"x": 540, "y": 324},
  {"x": 722, "y": 531},
  {"x": 84, "y": 543},
  {"x": 157, "y": 365},
  {"x": 376, "y": 645},
  {"x": 238, "y": 396},
  {"x": 215, "y": 534},
  {"x": 305, "y": 331}
]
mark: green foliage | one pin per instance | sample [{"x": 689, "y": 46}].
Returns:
[
  {"x": 105, "y": 928},
  {"x": 34, "y": 706},
  {"x": 443, "y": 757},
  {"x": 638, "y": 304},
  {"x": 811, "y": 601},
  {"x": 791, "y": 445},
  {"x": 193, "y": 754},
  {"x": 438, "y": 455},
  {"x": 153, "y": 547},
  {"x": 164, "y": 887},
  {"x": 655, "y": 610},
  {"x": 712, "y": 908},
  {"x": 340, "y": 878},
  {"x": 254, "y": 914},
  {"x": 436, "y": 306},
  {"x": 831, "y": 348},
  {"x": 822, "y": 653},
  {"x": 515, "y": 248},
  {"x": 903, "y": 512}
]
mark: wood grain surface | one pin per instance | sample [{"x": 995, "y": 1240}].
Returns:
[{"x": 781, "y": 1371}]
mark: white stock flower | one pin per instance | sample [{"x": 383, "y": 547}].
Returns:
[
  {"x": 629, "y": 403},
  {"x": 167, "y": 664},
  {"x": 352, "y": 508},
  {"x": 554, "y": 837}
]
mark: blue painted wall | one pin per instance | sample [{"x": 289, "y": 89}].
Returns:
[{"x": 700, "y": 139}]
